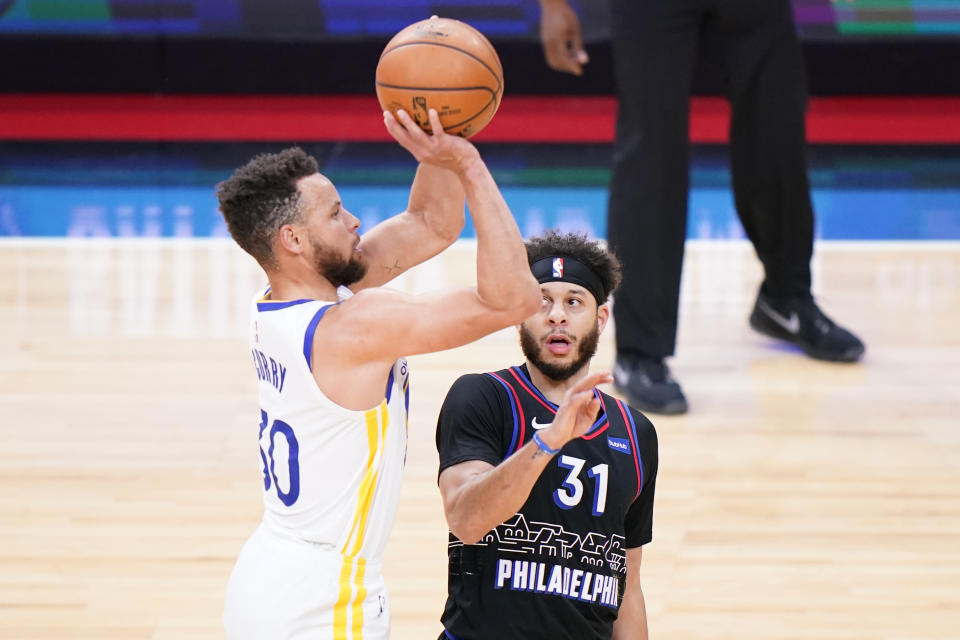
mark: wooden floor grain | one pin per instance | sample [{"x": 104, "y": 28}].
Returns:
[{"x": 797, "y": 499}]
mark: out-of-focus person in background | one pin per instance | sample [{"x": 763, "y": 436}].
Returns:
[{"x": 655, "y": 48}]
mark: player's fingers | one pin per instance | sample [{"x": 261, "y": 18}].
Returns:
[
  {"x": 400, "y": 132},
  {"x": 573, "y": 405},
  {"x": 435, "y": 127},
  {"x": 402, "y": 135},
  {"x": 412, "y": 128},
  {"x": 404, "y": 119},
  {"x": 574, "y": 399},
  {"x": 591, "y": 407},
  {"x": 393, "y": 126},
  {"x": 592, "y": 380}
]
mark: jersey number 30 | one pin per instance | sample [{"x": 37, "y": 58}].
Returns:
[{"x": 280, "y": 428}]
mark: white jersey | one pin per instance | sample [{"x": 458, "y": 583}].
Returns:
[{"x": 331, "y": 475}]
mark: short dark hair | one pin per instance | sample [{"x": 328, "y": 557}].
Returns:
[
  {"x": 261, "y": 196},
  {"x": 599, "y": 258}
]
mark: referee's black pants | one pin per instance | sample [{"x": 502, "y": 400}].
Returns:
[{"x": 655, "y": 45}]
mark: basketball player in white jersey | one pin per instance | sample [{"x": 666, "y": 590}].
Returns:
[{"x": 333, "y": 383}]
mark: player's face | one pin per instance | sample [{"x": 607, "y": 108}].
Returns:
[
  {"x": 561, "y": 338},
  {"x": 332, "y": 231}
]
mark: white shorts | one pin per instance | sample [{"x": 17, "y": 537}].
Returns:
[{"x": 287, "y": 589}]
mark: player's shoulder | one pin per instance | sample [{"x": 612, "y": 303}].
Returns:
[
  {"x": 475, "y": 384},
  {"x": 475, "y": 391},
  {"x": 474, "y": 396},
  {"x": 359, "y": 312},
  {"x": 352, "y": 301}
]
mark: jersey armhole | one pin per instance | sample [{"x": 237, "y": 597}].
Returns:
[{"x": 309, "y": 333}]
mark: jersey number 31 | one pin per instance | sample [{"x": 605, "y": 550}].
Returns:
[{"x": 569, "y": 495}]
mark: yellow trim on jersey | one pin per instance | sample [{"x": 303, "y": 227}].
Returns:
[
  {"x": 340, "y": 609},
  {"x": 357, "y": 608},
  {"x": 365, "y": 495},
  {"x": 266, "y": 298},
  {"x": 377, "y": 421}
]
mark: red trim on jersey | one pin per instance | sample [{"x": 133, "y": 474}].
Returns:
[
  {"x": 535, "y": 396},
  {"x": 591, "y": 436},
  {"x": 633, "y": 440}
]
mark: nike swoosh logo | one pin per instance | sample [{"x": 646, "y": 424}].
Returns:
[
  {"x": 791, "y": 324},
  {"x": 537, "y": 425}
]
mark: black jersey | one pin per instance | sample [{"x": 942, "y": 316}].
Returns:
[{"x": 556, "y": 569}]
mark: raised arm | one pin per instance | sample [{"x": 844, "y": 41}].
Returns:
[
  {"x": 478, "y": 496},
  {"x": 506, "y": 292},
  {"x": 365, "y": 334},
  {"x": 432, "y": 221}
]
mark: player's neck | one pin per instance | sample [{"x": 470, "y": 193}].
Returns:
[
  {"x": 293, "y": 286},
  {"x": 551, "y": 389}
]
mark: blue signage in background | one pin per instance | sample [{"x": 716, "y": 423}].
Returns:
[
  {"x": 167, "y": 190},
  {"x": 191, "y": 212}
]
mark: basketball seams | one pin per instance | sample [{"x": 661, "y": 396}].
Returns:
[
  {"x": 398, "y": 77},
  {"x": 493, "y": 99},
  {"x": 486, "y": 43},
  {"x": 410, "y": 88},
  {"x": 492, "y": 102},
  {"x": 458, "y": 49}
]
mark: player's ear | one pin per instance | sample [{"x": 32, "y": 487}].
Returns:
[
  {"x": 289, "y": 239},
  {"x": 603, "y": 314}
]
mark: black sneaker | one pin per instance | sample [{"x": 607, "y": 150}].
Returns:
[
  {"x": 799, "y": 320},
  {"x": 647, "y": 384}
]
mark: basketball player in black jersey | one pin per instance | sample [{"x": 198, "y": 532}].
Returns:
[{"x": 548, "y": 483}]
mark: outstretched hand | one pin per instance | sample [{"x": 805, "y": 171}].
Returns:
[
  {"x": 438, "y": 148},
  {"x": 577, "y": 411}
]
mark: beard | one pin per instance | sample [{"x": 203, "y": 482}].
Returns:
[
  {"x": 586, "y": 348},
  {"x": 339, "y": 271}
]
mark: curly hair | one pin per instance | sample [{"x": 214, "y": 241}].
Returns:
[
  {"x": 576, "y": 245},
  {"x": 261, "y": 196}
]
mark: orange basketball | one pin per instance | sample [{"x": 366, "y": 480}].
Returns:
[{"x": 445, "y": 65}]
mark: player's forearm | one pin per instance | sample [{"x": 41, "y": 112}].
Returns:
[
  {"x": 436, "y": 200},
  {"x": 490, "y": 498},
  {"x": 504, "y": 280},
  {"x": 631, "y": 623}
]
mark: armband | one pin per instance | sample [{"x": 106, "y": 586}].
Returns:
[{"x": 543, "y": 445}]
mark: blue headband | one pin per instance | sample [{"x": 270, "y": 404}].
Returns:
[{"x": 566, "y": 269}]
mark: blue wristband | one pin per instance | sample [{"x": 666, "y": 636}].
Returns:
[{"x": 543, "y": 445}]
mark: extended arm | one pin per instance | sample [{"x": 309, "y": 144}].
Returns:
[
  {"x": 432, "y": 221},
  {"x": 478, "y": 496},
  {"x": 388, "y": 324},
  {"x": 631, "y": 623},
  {"x": 364, "y": 335}
]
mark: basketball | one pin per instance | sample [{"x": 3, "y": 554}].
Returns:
[{"x": 441, "y": 64}]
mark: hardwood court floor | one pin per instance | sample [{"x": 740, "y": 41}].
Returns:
[{"x": 797, "y": 500}]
